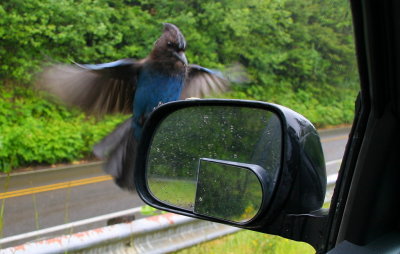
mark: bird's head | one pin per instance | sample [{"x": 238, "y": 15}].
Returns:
[{"x": 170, "y": 47}]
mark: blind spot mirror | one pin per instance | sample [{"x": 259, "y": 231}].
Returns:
[{"x": 229, "y": 191}]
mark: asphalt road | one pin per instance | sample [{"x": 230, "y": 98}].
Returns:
[
  {"x": 333, "y": 144},
  {"x": 42, "y": 199}
]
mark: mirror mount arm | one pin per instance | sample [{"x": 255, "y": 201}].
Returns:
[{"x": 308, "y": 227}]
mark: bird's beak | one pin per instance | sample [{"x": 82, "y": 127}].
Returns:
[{"x": 181, "y": 57}]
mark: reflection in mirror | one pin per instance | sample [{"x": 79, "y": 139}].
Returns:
[
  {"x": 231, "y": 133},
  {"x": 229, "y": 192}
]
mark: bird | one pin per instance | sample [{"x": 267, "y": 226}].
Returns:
[{"x": 135, "y": 87}]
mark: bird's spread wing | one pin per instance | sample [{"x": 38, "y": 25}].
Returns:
[
  {"x": 201, "y": 82},
  {"x": 96, "y": 89}
]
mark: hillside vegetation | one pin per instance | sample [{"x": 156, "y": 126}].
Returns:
[{"x": 297, "y": 53}]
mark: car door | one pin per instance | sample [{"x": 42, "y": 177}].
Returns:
[{"x": 364, "y": 216}]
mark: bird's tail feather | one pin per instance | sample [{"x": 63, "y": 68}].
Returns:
[{"x": 118, "y": 149}]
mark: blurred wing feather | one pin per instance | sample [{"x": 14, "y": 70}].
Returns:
[
  {"x": 96, "y": 89},
  {"x": 201, "y": 82}
]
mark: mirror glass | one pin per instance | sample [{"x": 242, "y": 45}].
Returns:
[
  {"x": 231, "y": 133},
  {"x": 228, "y": 192}
]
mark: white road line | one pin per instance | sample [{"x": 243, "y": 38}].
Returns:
[
  {"x": 331, "y": 179},
  {"x": 44, "y": 170},
  {"x": 333, "y": 162}
]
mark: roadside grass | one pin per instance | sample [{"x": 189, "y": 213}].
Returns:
[
  {"x": 3, "y": 204},
  {"x": 246, "y": 241},
  {"x": 180, "y": 193}
]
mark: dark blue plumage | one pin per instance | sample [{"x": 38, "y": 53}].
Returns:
[
  {"x": 130, "y": 86},
  {"x": 152, "y": 89}
]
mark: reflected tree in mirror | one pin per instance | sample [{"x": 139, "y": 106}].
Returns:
[
  {"x": 231, "y": 133},
  {"x": 228, "y": 192}
]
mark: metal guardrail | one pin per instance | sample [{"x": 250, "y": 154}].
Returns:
[
  {"x": 43, "y": 232},
  {"x": 157, "y": 234}
]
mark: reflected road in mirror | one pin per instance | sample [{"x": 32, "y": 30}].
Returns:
[{"x": 237, "y": 134}]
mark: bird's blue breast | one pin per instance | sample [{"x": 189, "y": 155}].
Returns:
[{"x": 152, "y": 90}]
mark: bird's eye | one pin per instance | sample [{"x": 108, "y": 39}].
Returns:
[{"x": 172, "y": 45}]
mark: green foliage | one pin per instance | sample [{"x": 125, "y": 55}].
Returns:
[
  {"x": 297, "y": 53},
  {"x": 34, "y": 130},
  {"x": 84, "y": 31},
  {"x": 326, "y": 106},
  {"x": 280, "y": 42}
]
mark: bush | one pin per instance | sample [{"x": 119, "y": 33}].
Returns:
[
  {"x": 36, "y": 131},
  {"x": 322, "y": 108}
]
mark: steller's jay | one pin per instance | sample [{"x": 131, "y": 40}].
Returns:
[{"x": 129, "y": 86}]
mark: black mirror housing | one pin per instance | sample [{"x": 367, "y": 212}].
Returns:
[{"x": 297, "y": 186}]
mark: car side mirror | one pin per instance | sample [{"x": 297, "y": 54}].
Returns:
[{"x": 250, "y": 164}]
